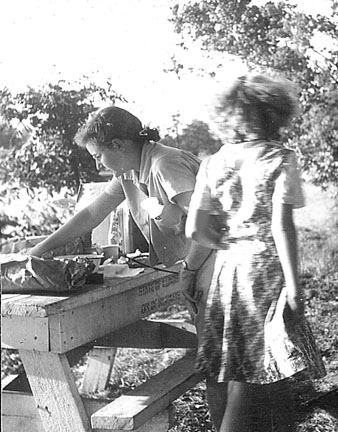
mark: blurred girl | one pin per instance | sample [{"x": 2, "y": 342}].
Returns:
[{"x": 255, "y": 334}]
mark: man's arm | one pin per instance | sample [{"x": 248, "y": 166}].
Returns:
[{"x": 80, "y": 224}]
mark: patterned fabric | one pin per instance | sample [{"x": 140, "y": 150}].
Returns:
[
  {"x": 245, "y": 337},
  {"x": 288, "y": 188}
]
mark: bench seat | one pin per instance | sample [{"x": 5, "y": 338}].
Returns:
[{"x": 132, "y": 410}]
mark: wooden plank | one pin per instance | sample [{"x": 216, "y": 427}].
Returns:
[
  {"x": 38, "y": 301},
  {"x": 76, "y": 327},
  {"x": 150, "y": 280},
  {"x": 160, "y": 422},
  {"x": 98, "y": 370},
  {"x": 46, "y": 305},
  {"x": 75, "y": 355},
  {"x": 25, "y": 333},
  {"x": 178, "y": 335},
  {"x": 142, "y": 334},
  {"x": 27, "y": 305},
  {"x": 130, "y": 411},
  {"x": 7, "y": 297},
  {"x": 177, "y": 323},
  {"x": 152, "y": 334},
  {"x": 55, "y": 392},
  {"x": 19, "y": 414},
  {"x": 18, "y": 385},
  {"x": 146, "y": 293},
  {"x": 130, "y": 301}
]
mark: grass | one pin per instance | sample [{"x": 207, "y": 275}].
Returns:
[{"x": 316, "y": 402}]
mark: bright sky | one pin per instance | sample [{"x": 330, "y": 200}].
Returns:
[{"x": 129, "y": 40}]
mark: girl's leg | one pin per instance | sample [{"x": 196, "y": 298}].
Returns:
[
  {"x": 239, "y": 414},
  {"x": 282, "y": 403},
  {"x": 217, "y": 400},
  {"x": 262, "y": 407}
]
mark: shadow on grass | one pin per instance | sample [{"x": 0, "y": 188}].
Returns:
[
  {"x": 320, "y": 414},
  {"x": 326, "y": 401}
]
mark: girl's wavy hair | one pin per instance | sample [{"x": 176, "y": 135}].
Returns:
[
  {"x": 258, "y": 104},
  {"x": 114, "y": 122}
]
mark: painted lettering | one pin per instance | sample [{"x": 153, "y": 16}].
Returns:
[{"x": 156, "y": 285}]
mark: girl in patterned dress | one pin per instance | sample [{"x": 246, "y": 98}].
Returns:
[{"x": 255, "y": 334}]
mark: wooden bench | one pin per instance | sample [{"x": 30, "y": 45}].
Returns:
[
  {"x": 143, "y": 334},
  {"x": 52, "y": 335},
  {"x": 144, "y": 409},
  {"x": 149, "y": 404},
  {"x": 147, "y": 408},
  {"x": 130, "y": 411},
  {"x": 19, "y": 410}
]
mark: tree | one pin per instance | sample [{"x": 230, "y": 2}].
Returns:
[
  {"x": 50, "y": 158},
  {"x": 278, "y": 37},
  {"x": 198, "y": 139},
  {"x": 169, "y": 141},
  {"x": 317, "y": 141}
]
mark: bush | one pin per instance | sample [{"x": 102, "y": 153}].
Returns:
[{"x": 26, "y": 212}]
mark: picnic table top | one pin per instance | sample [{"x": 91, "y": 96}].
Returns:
[
  {"x": 60, "y": 323},
  {"x": 47, "y": 304}
]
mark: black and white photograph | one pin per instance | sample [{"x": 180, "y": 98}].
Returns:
[{"x": 169, "y": 215}]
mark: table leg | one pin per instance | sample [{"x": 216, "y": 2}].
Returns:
[
  {"x": 99, "y": 366},
  {"x": 55, "y": 392}
]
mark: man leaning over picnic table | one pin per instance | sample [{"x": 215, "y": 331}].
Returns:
[{"x": 157, "y": 181}]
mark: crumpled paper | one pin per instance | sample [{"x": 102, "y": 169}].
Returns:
[{"x": 20, "y": 273}]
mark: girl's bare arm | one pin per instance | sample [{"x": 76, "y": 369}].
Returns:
[{"x": 285, "y": 237}]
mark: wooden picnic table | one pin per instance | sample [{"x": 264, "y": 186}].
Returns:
[{"x": 52, "y": 332}]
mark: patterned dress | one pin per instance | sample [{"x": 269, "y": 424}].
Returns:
[{"x": 245, "y": 337}]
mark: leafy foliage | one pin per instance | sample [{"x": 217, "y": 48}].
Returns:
[
  {"x": 195, "y": 138},
  {"x": 53, "y": 114},
  {"x": 317, "y": 141},
  {"x": 24, "y": 212},
  {"x": 277, "y": 37},
  {"x": 38, "y": 154}
]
